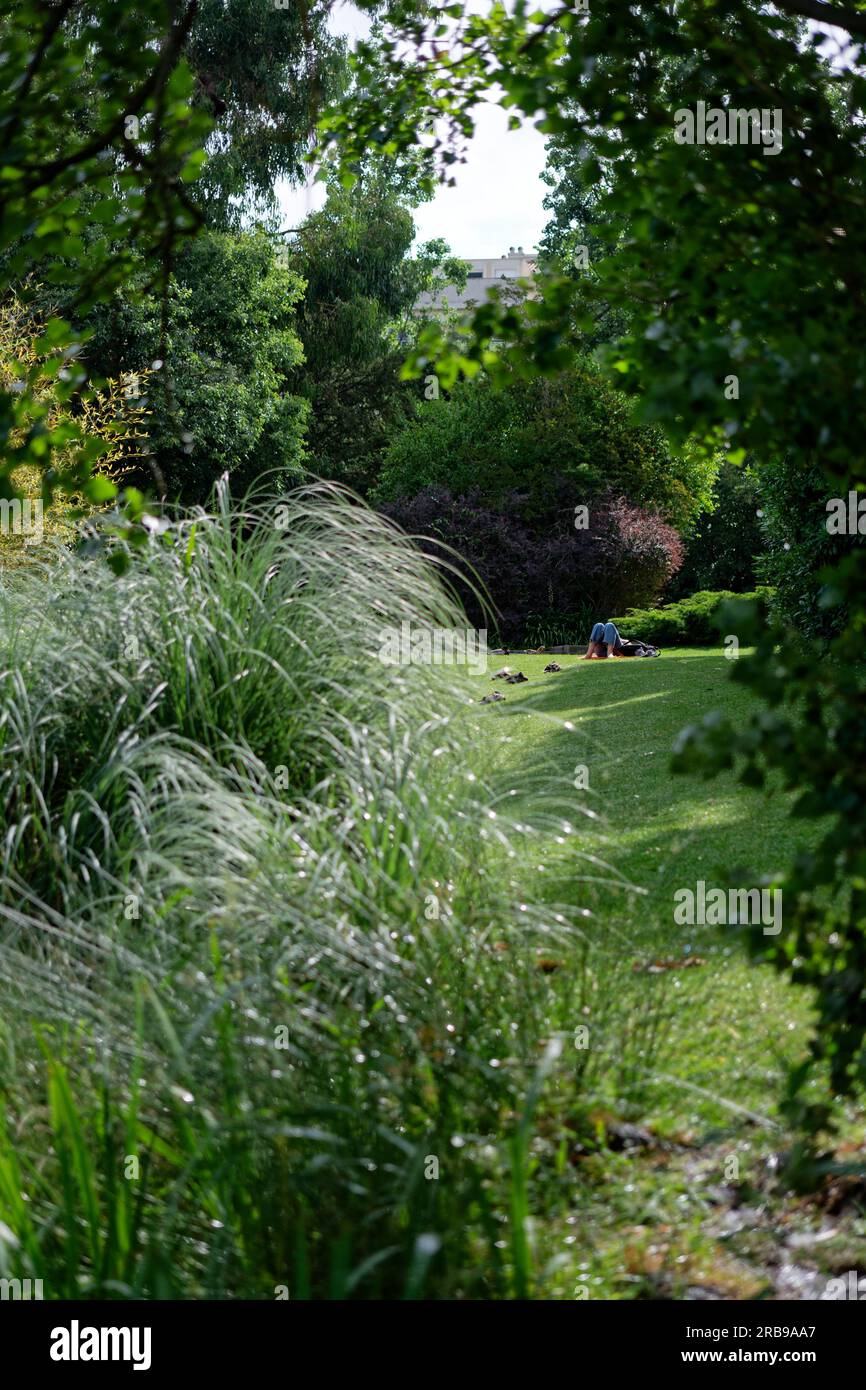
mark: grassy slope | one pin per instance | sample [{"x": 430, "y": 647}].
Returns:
[{"x": 717, "y": 1034}]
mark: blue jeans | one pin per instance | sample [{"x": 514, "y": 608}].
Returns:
[{"x": 605, "y": 632}]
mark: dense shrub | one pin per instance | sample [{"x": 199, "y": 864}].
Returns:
[
  {"x": 688, "y": 623},
  {"x": 551, "y": 575},
  {"x": 510, "y": 443}
]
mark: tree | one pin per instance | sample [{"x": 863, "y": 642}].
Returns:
[
  {"x": 727, "y": 539},
  {"x": 575, "y": 240},
  {"x": 94, "y": 107},
  {"x": 518, "y": 440},
  {"x": 356, "y": 320},
  {"x": 263, "y": 73},
  {"x": 222, "y": 400},
  {"x": 104, "y": 124}
]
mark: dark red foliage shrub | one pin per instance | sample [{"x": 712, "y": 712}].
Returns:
[
  {"x": 642, "y": 552},
  {"x": 546, "y": 569}
]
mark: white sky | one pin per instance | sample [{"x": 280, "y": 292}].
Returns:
[{"x": 497, "y": 201}]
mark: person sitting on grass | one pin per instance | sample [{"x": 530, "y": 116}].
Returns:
[{"x": 604, "y": 641}]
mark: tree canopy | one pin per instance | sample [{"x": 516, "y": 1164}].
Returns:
[
  {"x": 264, "y": 71},
  {"x": 356, "y": 320}
]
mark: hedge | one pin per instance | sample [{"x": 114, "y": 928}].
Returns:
[{"x": 688, "y": 623}]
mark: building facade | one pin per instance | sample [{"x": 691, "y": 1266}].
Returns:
[{"x": 485, "y": 274}]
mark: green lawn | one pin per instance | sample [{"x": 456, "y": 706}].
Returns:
[{"x": 695, "y": 1055}]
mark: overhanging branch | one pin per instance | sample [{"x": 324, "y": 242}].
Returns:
[{"x": 841, "y": 16}]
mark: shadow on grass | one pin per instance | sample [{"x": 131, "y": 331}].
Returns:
[
  {"x": 683, "y": 679},
  {"x": 659, "y": 831}
]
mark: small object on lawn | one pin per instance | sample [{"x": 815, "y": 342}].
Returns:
[
  {"x": 547, "y": 965},
  {"x": 493, "y": 696},
  {"x": 553, "y": 666},
  {"x": 621, "y": 1137},
  {"x": 536, "y": 651},
  {"x": 516, "y": 678},
  {"x": 655, "y": 967},
  {"x": 600, "y": 1130},
  {"x": 501, "y": 675}
]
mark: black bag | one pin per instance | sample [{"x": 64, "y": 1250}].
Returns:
[{"x": 633, "y": 646}]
